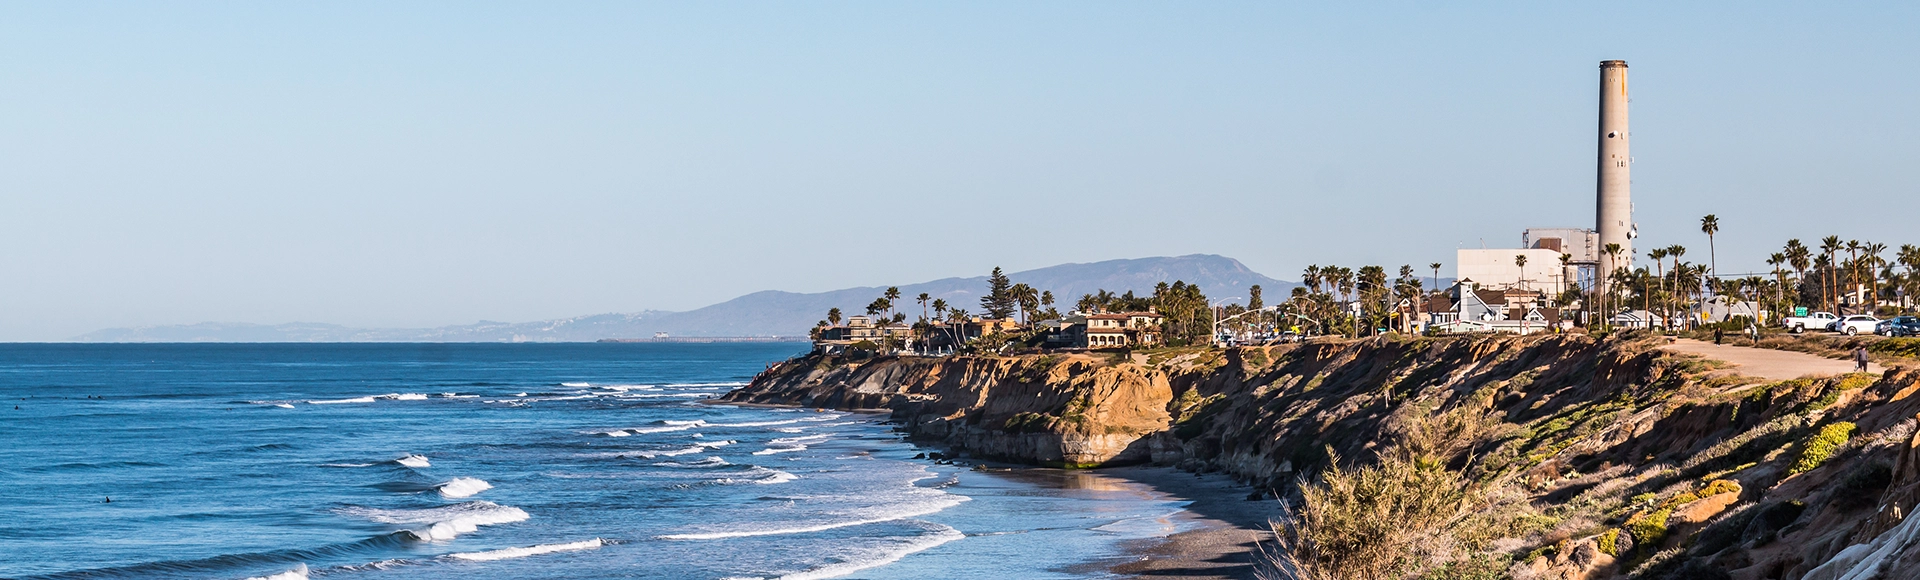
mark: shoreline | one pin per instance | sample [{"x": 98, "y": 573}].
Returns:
[
  {"x": 1222, "y": 544},
  {"x": 1223, "y": 527}
]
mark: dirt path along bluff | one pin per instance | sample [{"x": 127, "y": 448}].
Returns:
[{"x": 1767, "y": 363}]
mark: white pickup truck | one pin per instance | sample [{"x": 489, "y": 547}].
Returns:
[{"x": 1816, "y": 321}]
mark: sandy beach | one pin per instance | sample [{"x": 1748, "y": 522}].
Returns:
[{"x": 1225, "y": 527}]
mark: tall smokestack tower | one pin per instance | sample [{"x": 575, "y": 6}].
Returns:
[{"x": 1615, "y": 188}]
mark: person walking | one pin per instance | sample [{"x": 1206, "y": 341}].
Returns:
[
  {"x": 1859, "y": 359},
  {"x": 1719, "y": 334}
]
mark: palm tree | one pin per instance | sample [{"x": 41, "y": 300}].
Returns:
[
  {"x": 923, "y": 298},
  {"x": 1613, "y": 252},
  {"x": 833, "y": 316},
  {"x": 1311, "y": 277},
  {"x": 1799, "y": 258},
  {"x": 1711, "y": 225},
  {"x": 1909, "y": 256},
  {"x": 1025, "y": 298},
  {"x": 1674, "y": 251},
  {"x": 1853, "y": 268},
  {"x": 892, "y": 295},
  {"x": 1779, "y": 279},
  {"x": 1659, "y": 256},
  {"x": 1520, "y": 261},
  {"x": 1436, "y": 274},
  {"x": 1873, "y": 250},
  {"x": 1829, "y": 286}
]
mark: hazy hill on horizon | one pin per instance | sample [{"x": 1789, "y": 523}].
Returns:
[{"x": 759, "y": 314}]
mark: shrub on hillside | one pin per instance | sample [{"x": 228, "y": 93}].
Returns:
[
  {"x": 1821, "y": 446},
  {"x": 1398, "y": 517}
]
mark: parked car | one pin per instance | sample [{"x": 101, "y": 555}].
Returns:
[
  {"x": 1899, "y": 326},
  {"x": 1855, "y": 324},
  {"x": 1816, "y": 321}
]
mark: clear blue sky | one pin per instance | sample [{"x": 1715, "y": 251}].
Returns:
[{"x": 415, "y": 164}]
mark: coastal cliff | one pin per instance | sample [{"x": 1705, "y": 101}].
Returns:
[
  {"x": 1254, "y": 412},
  {"x": 1610, "y": 457}
]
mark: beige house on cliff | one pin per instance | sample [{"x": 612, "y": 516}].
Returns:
[{"x": 1121, "y": 330}]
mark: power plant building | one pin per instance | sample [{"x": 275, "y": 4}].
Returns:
[{"x": 1500, "y": 269}]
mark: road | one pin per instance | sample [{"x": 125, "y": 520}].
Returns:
[{"x": 1767, "y": 363}]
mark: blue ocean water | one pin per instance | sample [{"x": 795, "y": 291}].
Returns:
[{"x": 512, "y": 461}]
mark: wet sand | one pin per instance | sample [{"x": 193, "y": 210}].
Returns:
[{"x": 1225, "y": 527}]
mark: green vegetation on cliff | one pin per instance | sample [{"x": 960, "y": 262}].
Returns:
[{"x": 1577, "y": 456}]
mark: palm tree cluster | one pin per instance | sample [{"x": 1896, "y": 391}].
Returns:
[
  {"x": 1850, "y": 275},
  {"x": 1664, "y": 289},
  {"x": 1843, "y": 276},
  {"x": 1187, "y": 316},
  {"x": 1314, "y": 304}
]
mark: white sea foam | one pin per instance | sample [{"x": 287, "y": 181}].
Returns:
[
  {"x": 299, "y": 572},
  {"x": 346, "y": 465},
  {"x": 760, "y": 476},
  {"x": 406, "y": 397},
  {"x": 776, "y": 477},
  {"x": 411, "y": 460},
  {"x": 773, "y": 450},
  {"x": 772, "y": 423},
  {"x": 708, "y": 462},
  {"x": 565, "y": 398},
  {"x": 519, "y": 394},
  {"x": 617, "y": 433},
  {"x": 880, "y": 557},
  {"x": 667, "y": 427},
  {"x": 576, "y": 384},
  {"x": 625, "y": 388},
  {"x": 463, "y": 487},
  {"x": 671, "y": 453},
  {"x": 938, "y": 502},
  {"x": 803, "y": 439},
  {"x": 506, "y": 553},
  {"x": 734, "y": 384},
  {"x": 342, "y": 401},
  {"x": 445, "y": 522},
  {"x": 283, "y": 405}
]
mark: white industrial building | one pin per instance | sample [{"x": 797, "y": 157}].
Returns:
[{"x": 1498, "y": 269}]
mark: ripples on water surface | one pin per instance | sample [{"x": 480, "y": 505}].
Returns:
[{"x": 498, "y": 461}]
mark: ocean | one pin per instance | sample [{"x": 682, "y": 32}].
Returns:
[{"x": 509, "y": 461}]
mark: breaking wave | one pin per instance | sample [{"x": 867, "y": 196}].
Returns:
[
  {"x": 441, "y": 523},
  {"x": 935, "y": 505},
  {"x": 881, "y": 556},
  {"x": 509, "y": 553},
  {"x": 463, "y": 487},
  {"x": 297, "y": 573}
]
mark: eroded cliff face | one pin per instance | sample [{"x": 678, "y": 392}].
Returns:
[
  {"x": 1075, "y": 410},
  {"x": 1615, "y": 459},
  {"x": 1253, "y": 412}
]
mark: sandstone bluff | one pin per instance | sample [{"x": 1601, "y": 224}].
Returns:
[{"x": 1608, "y": 457}]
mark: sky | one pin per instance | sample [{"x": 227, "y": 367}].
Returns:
[{"x": 425, "y": 163}]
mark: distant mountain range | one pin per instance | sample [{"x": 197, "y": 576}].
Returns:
[{"x": 760, "y": 314}]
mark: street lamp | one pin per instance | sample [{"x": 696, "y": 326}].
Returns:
[{"x": 1213, "y": 312}]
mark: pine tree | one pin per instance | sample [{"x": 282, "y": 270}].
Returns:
[{"x": 999, "y": 301}]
